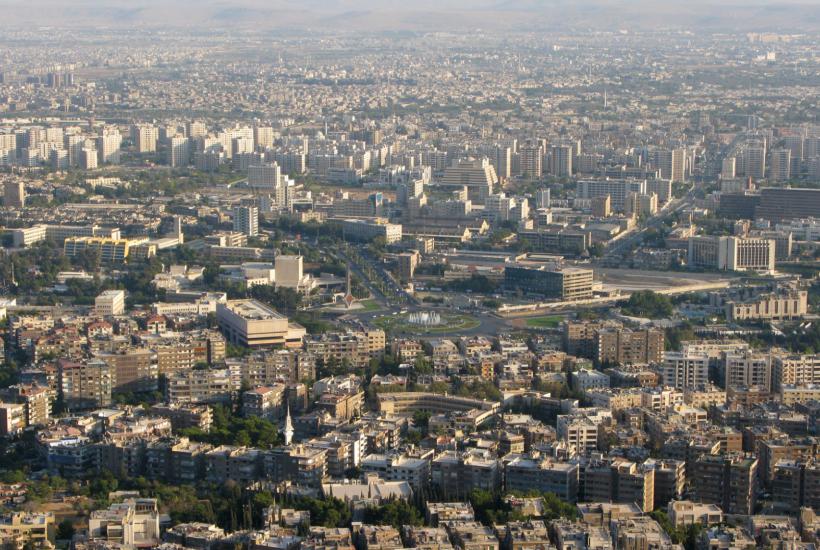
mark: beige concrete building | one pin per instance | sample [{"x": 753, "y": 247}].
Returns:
[
  {"x": 252, "y": 323},
  {"x": 769, "y": 307},
  {"x": 795, "y": 370},
  {"x": 109, "y": 303}
]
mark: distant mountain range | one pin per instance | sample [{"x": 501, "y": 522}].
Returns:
[{"x": 421, "y": 15}]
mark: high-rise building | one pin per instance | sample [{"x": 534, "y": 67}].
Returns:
[
  {"x": 732, "y": 253},
  {"x": 780, "y": 168},
  {"x": 641, "y": 204},
  {"x": 543, "y": 198},
  {"x": 531, "y": 161},
  {"x": 179, "y": 152},
  {"x": 728, "y": 481},
  {"x": 672, "y": 164},
  {"x": 108, "y": 148},
  {"x": 265, "y": 176},
  {"x": 289, "y": 271},
  {"x": 601, "y": 206},
  {"x": 728, "y": 168},
  {"x": 88, "y": 158},
  {"x": 145, "y": 137},
  {"x": 629, "y": 347},
  {"x": 84, "y": 385},
  {"x": 755, "y": 161},
  {"x": 477, "y": 175},
  {"x": 74, "y": 145},
  {"x": 748, "y": 368},
  {"x": 263, "y": 137},
  {"x": 195, "y": 129},
  {"x": 59, "y": 159},
  {"x": 795, "y": 144},
  {"x": 685, "y": 369},
  {"x": 407, "y": 263},
  {"x": 14, "y": 193},
  {"x": 795, "y": 369},
  {"x": 561, "y": 161},
  {"x": 246, "y": 220},
  {"x": 503, "y": 162}
]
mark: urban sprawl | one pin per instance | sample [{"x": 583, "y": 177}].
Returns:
[{"x": 473, "y": 291}]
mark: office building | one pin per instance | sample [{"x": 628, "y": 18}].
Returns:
[
  {"x": 477, "y": 175},
  {"x": 732, "y": 253},
  {"x": 569, "y": 283},
  {"x": 289, "y": 272},
  {"x": 110, "y": 250},
  {"x": 728, "y": 168},
  {"x": 672, "y": 164},
  {"x": 754, "y": 160},
  {"x": 618, "y": 190},
  {"x": 780, "y": 166},
  {"x": 109, "y": 303},
  {"x": 252, "y": 323},
  {"x": 774, "y": 306},
  {"x": 133, "y": 523},
  {"x": 367, "y": 230},
  {"x": 782, "y": 203},
  {"x": 266, "y": 176}
]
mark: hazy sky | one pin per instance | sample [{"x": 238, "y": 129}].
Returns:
[{"x": 421, "y": 14}]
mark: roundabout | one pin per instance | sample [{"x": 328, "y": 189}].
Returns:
[{"x": 427, "y": 323}]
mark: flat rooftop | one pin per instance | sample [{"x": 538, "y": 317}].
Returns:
[{"x": 252, "y": 309}]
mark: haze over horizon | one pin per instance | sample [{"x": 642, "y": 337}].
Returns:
[{"x": 423, "y": 15}]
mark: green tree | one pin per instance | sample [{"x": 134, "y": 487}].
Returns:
[
  {"x": 645, "y": 303},
  {"x": 65, "y": 531},
  {"x": 395, "y": 512}
]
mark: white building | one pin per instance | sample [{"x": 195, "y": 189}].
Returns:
[
  {"x": 685, "y": 369},
  {"x": 586, "y": 379},
  {"x": 246, "y": 220},
  {"x": 133, "y": 523},
  {"x": 110, "y": 302}
]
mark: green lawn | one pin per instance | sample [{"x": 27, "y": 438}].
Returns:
[
  {"x": 370, "y": 305},
  {"x": 549, "y": 321},
  {"x": 450, "y": 323}
]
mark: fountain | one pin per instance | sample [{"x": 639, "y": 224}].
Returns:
[{"x": 424, "y": 318}]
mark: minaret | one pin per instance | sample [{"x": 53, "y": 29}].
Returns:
[{"x": 288, "y": 431}]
